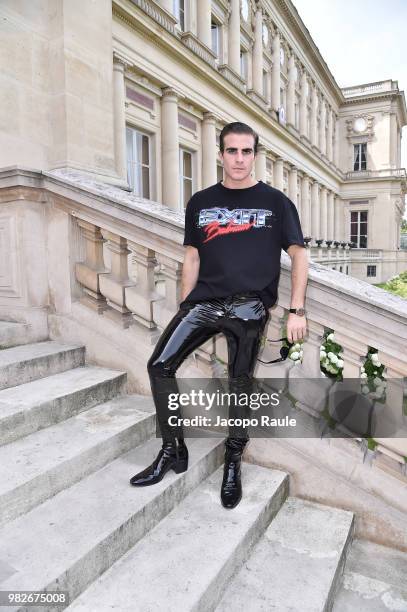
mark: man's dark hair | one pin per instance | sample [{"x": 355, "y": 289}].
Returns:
[{"x": 237, "y": 128}]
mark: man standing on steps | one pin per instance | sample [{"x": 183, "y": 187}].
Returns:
[{"x": 234, "y": 233}]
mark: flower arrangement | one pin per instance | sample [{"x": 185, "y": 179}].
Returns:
[
  {"x": 330, "y": 356},
  {"x": 373, "y": 381},
  {"x": 296, "y": 352}
]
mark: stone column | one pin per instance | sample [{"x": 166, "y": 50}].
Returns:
[
  {"x": 209, "y": 175},
  {"x": 292, "y": 185},
  {"x": 323, "y": 214},
  {"x": 279, "y": 173},
  {"x": 303, "y": 104},
  {"x": 291, "y": 90},
  {"x": 119, "y": 109},
  {"x": 315, "y": 211},
  {"x": 275, "y": 73},
  {"x": 314, "y": 108},
  {"x": 336, "y": 143},
  {"x": 305, "y": 206},
  {"x": 330, "y": 203},
  {"x": 329, "y": 149},
  {"x": 234, "y": 36},
  {"x": 170, "y": 149},
  {"x": 322, "y": 135},
  {"x": 338, "y": 234},
  {"x": 261, "y": 163},
  {"x": 258, "y": 52},
  {"x": 204, "y": 22}
]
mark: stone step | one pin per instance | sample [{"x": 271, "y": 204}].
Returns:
[
  {"x": 374, "y": 580},
  {"x": 13, "y": 334},
  {"x": 185, "y": 562},
  {"x": 296, "y": 564},
  {"x": 22, "y": 364},
  {"x": 38, "y": 466},
  {"x": 89, "y": 526},
  {"x": 32, "y": 406}
]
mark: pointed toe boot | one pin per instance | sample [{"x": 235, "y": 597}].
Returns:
[
  {"x": 231, "y": 490},
  {"x": 171, "y": 457}
]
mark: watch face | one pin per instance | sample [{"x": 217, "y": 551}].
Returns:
[{"x": 300, "y": 312}]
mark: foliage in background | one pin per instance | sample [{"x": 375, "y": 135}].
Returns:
[{"x": 396, "y": 285}]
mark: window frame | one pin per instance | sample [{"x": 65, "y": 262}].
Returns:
[{"x": 134, "y": 131}]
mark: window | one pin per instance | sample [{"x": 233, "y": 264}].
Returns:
[
  {"x": 359, "y": 156},
  {"x": 215, "y": 30},
  {"x": 358, "y": 228},
  {"x": 347, "y": 269},
  {"x": 340, "y": 268},
  {"x": 219, "y": 172},
  {"x": 138, "y": 162},
  {"x": 186, "y": 176},
  {"x": 179, "y": 12},
  {"x": 243, "y": 64},
  {"x": 371, "y": 270}
]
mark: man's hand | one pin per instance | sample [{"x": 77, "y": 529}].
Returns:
[{"x": 296, "y": 327}]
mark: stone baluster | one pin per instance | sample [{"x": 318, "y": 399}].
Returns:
[
  {"x": 140, "y": 297},
  {"x": 172, "y": 272},
  {"x": 353, "y": 349},
  {"x": 113, "y": 284},
  {"x": 88, "y": 272}
]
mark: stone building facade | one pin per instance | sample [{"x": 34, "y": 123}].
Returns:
[{"x": 135, "y": 93}]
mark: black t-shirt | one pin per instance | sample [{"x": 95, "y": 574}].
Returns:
[{"x": 239, "y": 234}]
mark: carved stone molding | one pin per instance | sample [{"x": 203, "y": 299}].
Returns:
[{"x": 366, "y": 132}]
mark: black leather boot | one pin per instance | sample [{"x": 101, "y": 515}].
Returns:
[
  {"x": 171, "y": 456},
  {"x": 231, "y": 490}
]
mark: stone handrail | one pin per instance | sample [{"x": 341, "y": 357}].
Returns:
[{"x": 130, "y": 249}]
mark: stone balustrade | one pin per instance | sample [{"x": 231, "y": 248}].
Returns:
[{"x": 126, "y": 263}]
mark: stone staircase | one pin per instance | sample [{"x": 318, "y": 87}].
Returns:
[{"x": 71, "y": 437}]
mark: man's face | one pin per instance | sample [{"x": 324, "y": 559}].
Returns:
[{"x": 238, "y": 156}]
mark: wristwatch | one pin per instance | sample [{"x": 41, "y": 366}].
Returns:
[{"x": 298, "y": 311}]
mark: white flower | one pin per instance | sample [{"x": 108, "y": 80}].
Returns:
[
  {"x": 378, "y": 364},
  {"x": 374, "y": 357},
  {"x": 295, "y": 355},
  {"x": 301, "y": 353},
  {"x": 322, "y": 354},
  {"x": 362, "y": 369},
  {"x": 334, "y": 359},
  {"x": 378, "y": 393},
  {"x": 377, "y": 381},
  {"x": 363, "y": 375},
  {"x": 365, "y": 389},
  {"x": 330, "y": 354},
  {"x": 340, "y": 363},
  {"x": 330, "y": 337},
  {"x": 297, "y": 347}
]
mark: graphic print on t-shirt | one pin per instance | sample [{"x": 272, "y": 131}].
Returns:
[{"x": 217, "y": 221}]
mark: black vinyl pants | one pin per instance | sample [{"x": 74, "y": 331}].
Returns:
[{"x": 242, "y": 318}]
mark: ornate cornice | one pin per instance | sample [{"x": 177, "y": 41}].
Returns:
[{"x": 303, "y": 37}]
